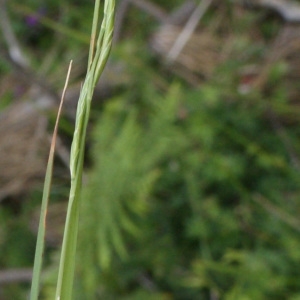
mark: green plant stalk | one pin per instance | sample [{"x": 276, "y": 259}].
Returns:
[{"x": 98, "y": 56}]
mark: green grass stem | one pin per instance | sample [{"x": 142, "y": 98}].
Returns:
[{"x": 98, "y": 56}]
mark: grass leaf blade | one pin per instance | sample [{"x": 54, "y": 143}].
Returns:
[{"x": 38, "y": 259}]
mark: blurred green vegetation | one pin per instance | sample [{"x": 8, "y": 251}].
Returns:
[{"x": 190, "y": 192}]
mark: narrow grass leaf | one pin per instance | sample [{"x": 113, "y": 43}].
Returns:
[{"x": 38, "y": 259}]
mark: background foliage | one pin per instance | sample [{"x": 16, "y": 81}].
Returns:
[{"x": 190, "y": 192}]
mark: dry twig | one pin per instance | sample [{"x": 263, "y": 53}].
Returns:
[{"x": 188, "y": 29}]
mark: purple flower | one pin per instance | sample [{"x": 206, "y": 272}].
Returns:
[{"x": 34, "y": 19}]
